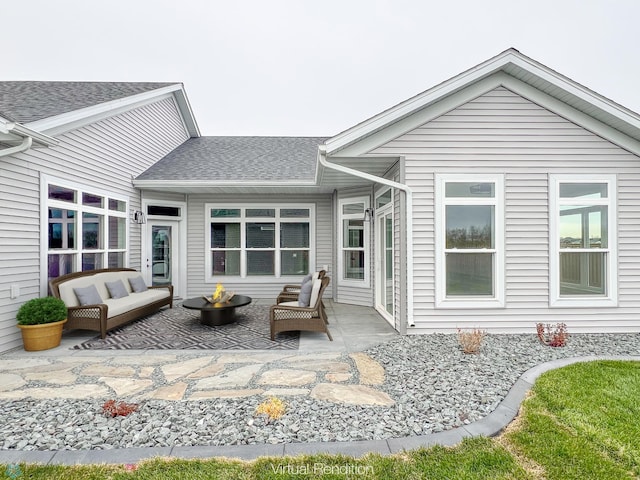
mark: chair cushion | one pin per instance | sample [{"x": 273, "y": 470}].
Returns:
[
  {"x": 137, "y": 284},
  {"x": 315, "y": 291},
  {"x": 307, "y": 277},
  {"x": 117, "y": 289},
  {"x": 304, "y": 297},
  {"x": 88, "y": 295}
]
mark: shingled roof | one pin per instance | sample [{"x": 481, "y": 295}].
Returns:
[
  {"x": 25, "y": 102},
  {"x": 239, "y": 159}
]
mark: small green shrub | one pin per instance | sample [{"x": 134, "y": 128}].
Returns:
[{"x": 41, "y": 310}]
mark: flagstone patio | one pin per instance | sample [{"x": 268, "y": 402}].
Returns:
[{"x": 333, "y": 371}]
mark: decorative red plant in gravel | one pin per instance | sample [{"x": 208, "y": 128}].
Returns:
[
  {"x": 553, "y": 335},
  {"x": 111, "y": 408}
]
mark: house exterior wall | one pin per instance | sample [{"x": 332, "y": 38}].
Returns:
[
  {"x": 256, "y": 287},
  {"x": 348, "y": 292},
  {"x": 504, "y": 133},
  {"x": 104, "y": 156}
]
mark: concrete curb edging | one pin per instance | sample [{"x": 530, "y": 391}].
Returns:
[{"x": 488, "y": 426}]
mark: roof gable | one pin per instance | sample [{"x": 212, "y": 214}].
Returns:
[
  {"x": 512, "y": 70},
  {"x": 56, "y": 107}
]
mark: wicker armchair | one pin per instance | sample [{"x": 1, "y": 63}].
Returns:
[
  {"x": 290, "y": 293},
  {"x": 288, "y": 316}
]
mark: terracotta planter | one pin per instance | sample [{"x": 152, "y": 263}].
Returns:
[{"x": 41, "y": 337}]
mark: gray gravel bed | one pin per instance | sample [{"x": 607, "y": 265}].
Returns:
[{"x": 435, "y": 386}]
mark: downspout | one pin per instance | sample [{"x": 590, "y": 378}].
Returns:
[
  {"x": 25, "y": 145},
  {"x": 28, "y": 136},
  {"x": 322, "y": 157}
]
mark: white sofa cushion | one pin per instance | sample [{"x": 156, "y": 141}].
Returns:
[
  {"x": 135, "y": 300},
  {"x": 71, "y": 300}
]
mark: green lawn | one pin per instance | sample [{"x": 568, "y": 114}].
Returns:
[{"x": 582, "y": 422}]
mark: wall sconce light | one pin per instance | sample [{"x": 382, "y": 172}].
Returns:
[
  {"x": 368, "y": 215},
  {"x": 138, "y": 217}
]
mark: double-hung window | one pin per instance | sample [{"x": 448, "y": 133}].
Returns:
[
  {"x": 262, "y": 240},
  {"x": 86, "y": 228},
  {"x": 583, "y": 239},
  {"x": 353, "y": 263},
  {"x": 470, "y": 241}
]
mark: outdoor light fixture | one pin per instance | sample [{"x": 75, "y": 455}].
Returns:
[
  {"x": 138, "y": 217},
  {"x": 368, "y": 214}
]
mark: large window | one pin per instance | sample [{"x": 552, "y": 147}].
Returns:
[
  {"x": 583, "y": 266},
  {"x": 469, "y": 241},
  {"x": 86, "y": 229},
  {"x": 261, "y": 240},
  {"x": 355, "y": 218}
]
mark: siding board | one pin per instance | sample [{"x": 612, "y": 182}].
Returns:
[
  {"x": 501, "y": 132},
  {"x": 104, "y": 156},
  {"x": 255, "y": 287}
]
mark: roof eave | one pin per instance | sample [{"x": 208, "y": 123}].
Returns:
[
  {"x": 68, "y": 121},
  {"x": 508, "y": 59},
  {"x": 12, "y": 133}
]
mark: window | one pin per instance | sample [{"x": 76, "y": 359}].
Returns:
[
  {"x": 265, "y": 240},
  {"x": 469, "y": 241},
  {"x": 86, "y": 229},
  {"x": 582, "y": 239},
  {"x": 354, "y": 241}
]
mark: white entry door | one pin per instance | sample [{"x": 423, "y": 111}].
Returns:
[
  {"x": 384, "y": 263},
  {"x": 162, "y": 254}
]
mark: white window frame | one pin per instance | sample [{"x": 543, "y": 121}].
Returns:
[
  {"x": 471, "y": 301},
  {"x": 611, "y": 265},
  {"x": 243, "y": 219},
  {"x": 366, "y": 281},
  {"x": 80, "y": 209}
]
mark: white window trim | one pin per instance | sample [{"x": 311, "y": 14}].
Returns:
[
  {"x": 498, "y": 299},
  {"x": 366, "y": 281},
  {"x": 277, "y": 277},
  {"x": 611, "y": 299},
  {"x": 46, "y": 203}
]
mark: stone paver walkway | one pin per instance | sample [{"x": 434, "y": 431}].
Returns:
[{"x": 337, "y": 377}]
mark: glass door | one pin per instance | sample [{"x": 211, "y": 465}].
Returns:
[
  {"x": 385, "y": 263},
  {"x": 384, "y": 256},
  {"x": 162, "y": 252}
]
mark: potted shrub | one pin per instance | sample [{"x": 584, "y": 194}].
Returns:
[{"x": 41, "y": 321}]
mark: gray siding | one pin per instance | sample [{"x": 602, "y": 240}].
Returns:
[
  {"x": 501, "y": 132},
  {"x": 347, "y": 293},
  {"x": 105, "y": 155},
  {"x": 262, "y": 287}
]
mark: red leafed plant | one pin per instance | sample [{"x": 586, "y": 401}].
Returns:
[
  {"x": 553, "y": 335},
  {"x": 111, "y": 408}
]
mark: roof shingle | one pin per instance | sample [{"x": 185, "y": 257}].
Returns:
[
  {"x": 239, "y": 159},
  {"x": 29, "y": 101}
]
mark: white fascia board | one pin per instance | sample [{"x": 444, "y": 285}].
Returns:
[
  {"x": 466, "y": 80},
  {"x": 419, "y": 117},
  {"x": 568, "y": 112},
  {"x": 573, "y": 88},
  {"x": 71, "y": 120},
  {"x": 212, "y": 184},
  {"x": 186, "y": 112},
  {"x": 417, "y": 102},
  {"x": 12, "y": 132}
]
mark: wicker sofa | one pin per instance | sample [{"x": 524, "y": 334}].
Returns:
[{"x": 111, "y": 312}]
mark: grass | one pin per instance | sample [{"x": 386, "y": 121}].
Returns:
[
  {"x": 579, "y": 422},
  {"x": 582, "y": 422}
]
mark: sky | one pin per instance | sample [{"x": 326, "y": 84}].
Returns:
[{"x": 314, "y": 68}]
